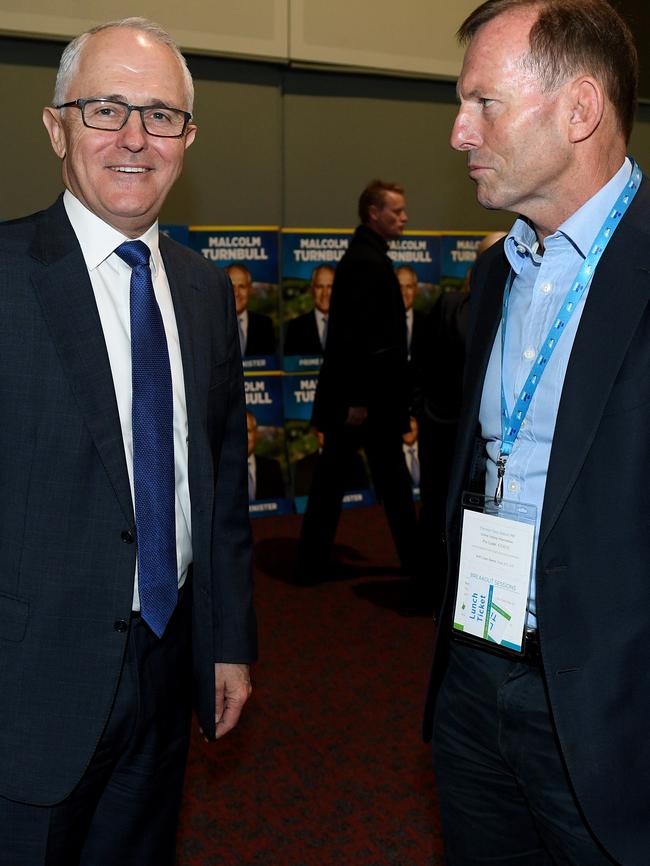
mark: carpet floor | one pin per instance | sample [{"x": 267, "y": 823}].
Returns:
[{"x": 327, "y": 765}]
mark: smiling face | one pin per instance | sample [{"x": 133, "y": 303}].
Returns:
[
  {"x": 519, "y": 154},
  {"x": 122, "y": 177},
  {"x": 321, "y": 288},
  {"x": 242, "y": 286},
  {"x": 408, "y": 283}
]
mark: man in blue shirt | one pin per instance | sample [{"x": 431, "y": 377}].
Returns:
[{"x": 541, "y": 756}]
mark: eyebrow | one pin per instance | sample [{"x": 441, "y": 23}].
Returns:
[{"x": 119, "y": 97}]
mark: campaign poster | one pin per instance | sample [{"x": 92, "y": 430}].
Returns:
[
  {"x": 249, "y": 254},
  {"x": 458, "y": 254},
  {"x": 304, "y": 444},
  {"x": 180, "y": 234},
  {"x": 416, "y": 257},
  {"x": 309, "y": 259},
  {"x": 268, "y": 491}
]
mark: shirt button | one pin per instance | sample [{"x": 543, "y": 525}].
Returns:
[
  {"x": 529, "y": 353},
  {"x": 521, "y": 249},
  {"x": 546, "y": 288},
  {"x": 513, "y": 486}
]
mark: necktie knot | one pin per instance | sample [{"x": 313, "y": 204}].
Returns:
[{"x": 134, "y": 253}]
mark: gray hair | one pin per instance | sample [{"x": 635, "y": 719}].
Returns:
[{"x": 72, "y": 53}]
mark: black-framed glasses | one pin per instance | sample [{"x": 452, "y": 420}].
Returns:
[{"x": 111, "y": 115}]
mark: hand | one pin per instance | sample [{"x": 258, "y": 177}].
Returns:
[
  {"x": 356, "y": 416},
  {"x": 233, "y": 688}
]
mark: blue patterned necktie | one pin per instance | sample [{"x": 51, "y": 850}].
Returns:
[{"x": 153, "y": 445}]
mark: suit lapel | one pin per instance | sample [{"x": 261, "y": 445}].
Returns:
[
  {"x": 485, "y": 315},
  {"x": 68, "y": 303},
  {"x": 195, "y": 339},
  {"x": 617, "y": 299}
]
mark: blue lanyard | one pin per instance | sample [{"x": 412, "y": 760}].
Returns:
[{"x": 511, "y": 424}]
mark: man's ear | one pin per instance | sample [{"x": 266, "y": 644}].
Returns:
[
  {"x": 54, "y": 125},
  {"x": 586, "y": 106}
]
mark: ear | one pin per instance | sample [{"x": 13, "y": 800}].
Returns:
[
  {"x": 54, "y": 125},
  {"x": 586, "y": 107},
  {"x": 190, "y": 134}
]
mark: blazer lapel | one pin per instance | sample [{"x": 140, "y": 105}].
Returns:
[
  {"x": 195, "y": 338},
  {"x": 485, "y": 315},
  {"x": 68, "y": 303},
  {"x": 617, "y": 299}
]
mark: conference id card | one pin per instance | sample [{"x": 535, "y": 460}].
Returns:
[{"x": 495, "y": 569}]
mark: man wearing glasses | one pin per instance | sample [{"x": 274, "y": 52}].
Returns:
[{"x": 125, "y": 580}]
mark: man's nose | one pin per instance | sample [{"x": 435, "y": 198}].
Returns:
[{"x": 464, "y": 135}]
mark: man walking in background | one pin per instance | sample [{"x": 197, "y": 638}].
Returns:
[{"x": 362, "y": 395}]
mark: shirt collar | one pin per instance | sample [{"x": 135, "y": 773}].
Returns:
[
  {"x": 580, "y": 228},
  {"x": 98, "y": 239}
]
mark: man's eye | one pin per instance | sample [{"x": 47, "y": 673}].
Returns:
[
  {"x": 159, "y": 117},
  {"x": 485, "y": 101}
]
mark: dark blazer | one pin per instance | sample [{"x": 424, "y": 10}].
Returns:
[
  {"x": 365, "y": 358},
  {"x": 437, "y": 359},
  {"x": 302, "y": 336},
  {"x": 269, "y": 483},
  {"x": 67, "y": 531},
  {"x": 593, "y": 559},
  {"x": 260, "y": 337}
]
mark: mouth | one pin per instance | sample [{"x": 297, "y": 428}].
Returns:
[
  {"x": 128, "y": 169},
  {"x": 473, "y": 169}
]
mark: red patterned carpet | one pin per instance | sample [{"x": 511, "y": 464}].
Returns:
[{"x": 327, "y": 767}]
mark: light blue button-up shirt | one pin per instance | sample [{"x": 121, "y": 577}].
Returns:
[{"x": 538, "y": 289}]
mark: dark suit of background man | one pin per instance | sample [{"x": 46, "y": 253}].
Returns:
[
  {"x": 256, "y": 335},
  {"x": 415, "y": 319},
  {"x": 362, "y": 394},
  {"x": 307, "y": 334},
  {"x": 545, "y": 758},
  {"x": 95, "y": 709}
]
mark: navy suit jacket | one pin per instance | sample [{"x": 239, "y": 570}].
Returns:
[
  {"x": 67, "y": 556},
  {"x": 593, "y": 559}
]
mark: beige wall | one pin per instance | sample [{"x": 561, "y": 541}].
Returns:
[{"x": 276, "y": 145}]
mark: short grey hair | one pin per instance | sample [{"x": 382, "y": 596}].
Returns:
[{"x": 69, "y": 62}]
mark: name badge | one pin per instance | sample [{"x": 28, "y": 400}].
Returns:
[{"x": 495, "y": 570}]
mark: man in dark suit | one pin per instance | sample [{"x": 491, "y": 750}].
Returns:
[
  {"x": 264, "y": 473},
  {"x": 307, "y": 334},
  {"x": 541, "y": 753},
  {"x": 415, "y": 319},
  {"x": 125, "y": 589},
  {"x": 256, "y": 334},
  {"x": 356, "y": 477},
  {"x": 362, "y": 395}
]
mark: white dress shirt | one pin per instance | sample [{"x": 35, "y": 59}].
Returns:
[{"x": 111, "y": 281}]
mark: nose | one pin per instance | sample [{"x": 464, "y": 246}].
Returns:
[
  {"x": 133, "y": 135},
  {"x": 464, "y": 135}
]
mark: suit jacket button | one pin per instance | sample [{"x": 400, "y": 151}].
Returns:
[
  {"x": 127, "y": 536},
  {"x": 120, "y": 625}
]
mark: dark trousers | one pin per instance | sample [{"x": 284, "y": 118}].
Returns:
[
  {"x": 391, "y": 480},
  {"x": 125, "y": 809},
  {"x": 505, "y": 797}
]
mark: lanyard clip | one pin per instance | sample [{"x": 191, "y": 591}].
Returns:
[{"x": 501, "y": 471}]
